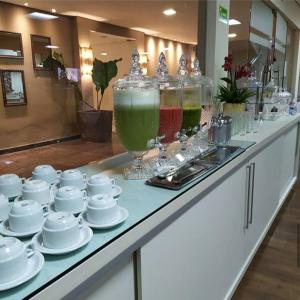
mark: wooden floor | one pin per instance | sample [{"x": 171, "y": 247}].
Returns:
[
  {"x": 273, "y": 273},
  {"x": 61, "y": 156}
]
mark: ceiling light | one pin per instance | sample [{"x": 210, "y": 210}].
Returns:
[
  {"x": 83, "y": 15},
  {"x": 145, "y": 30},
  {"x": 232, "y": 35},
  {"x": 52, "y": 47},
  {"x": 165, "y": 49},
  {"x": 169, "y": 12},
  {"x": 53, "y": 10},
  {"x": 233, "y": 22},
  {"x": 103, "y": 53},
  {"x": 41, "y": 16},
  {"x": 26, "y": 4}
]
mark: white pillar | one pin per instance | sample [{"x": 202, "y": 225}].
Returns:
[
  {"x": 216, "y": 39},
  {"x": 296, "y": 66}
]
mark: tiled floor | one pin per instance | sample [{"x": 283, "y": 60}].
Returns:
[{"x": 273, "y": 273}]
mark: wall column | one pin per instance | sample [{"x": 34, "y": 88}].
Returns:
[
  {"x": 296, "y": 66},
  {"x": 216, "y": 39}
]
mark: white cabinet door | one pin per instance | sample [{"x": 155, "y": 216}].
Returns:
[
  {"x": 117, "y": 282},
  {"x": 288, "y": 155},
  {"x": 264, "y": 199},
  {"x": 199, "y": 255}
]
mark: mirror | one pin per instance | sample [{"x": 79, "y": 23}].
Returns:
[
  {"x": 11, "y": 45},
  {"x": 41, "y": 49},
  {"x": 13, "y": 87}
]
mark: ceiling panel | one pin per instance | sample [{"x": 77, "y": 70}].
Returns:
[{"x": 139, "y": 13}]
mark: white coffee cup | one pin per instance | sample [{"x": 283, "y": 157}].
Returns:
[
  {"x": 73, "y": 177},
  {"x": 4, "y": 207},
  {"x": 13, "y": 258},
  {"x": 36, "y": 189},
  {"x": 46, "y": 173},
  {"x": 70, "y": 199},
  {"x": 101, "y": 209},
  {"x": 26, "y": 216},
  {"x": 11, "y": 185},
  {"x": 61, "y": 230},
  {"x": 100, "y": 184}
]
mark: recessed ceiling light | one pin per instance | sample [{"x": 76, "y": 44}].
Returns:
[
  {"x": 145, "y": 30},
  {"x": 103, "y": 53},
  {"x": 232, "y": 35},
  {"x": 52, "y": 47},
  {"x": 169, "y": 12},
  {"x": 26, "y": 4},
  {"x": 53, "y": 10},
  {"x": 40, "y": 16},
  {"x": 233, "y": 22}
]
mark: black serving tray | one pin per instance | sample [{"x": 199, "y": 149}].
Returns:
[{"x": 197, "y": 168}]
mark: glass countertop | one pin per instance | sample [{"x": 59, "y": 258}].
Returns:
[{"x": 139, "y": 199}]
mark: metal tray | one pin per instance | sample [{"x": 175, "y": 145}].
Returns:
[{"x": 197, "y": 168}]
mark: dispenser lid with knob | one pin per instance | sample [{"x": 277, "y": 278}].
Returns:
[
  {"x": 135, "y": 78},
  {"x": 166, "y": 81}
]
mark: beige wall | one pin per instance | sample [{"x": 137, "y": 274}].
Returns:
[
  {"x": 154, "y": 46},
  {"x": 50, "y": 112},
  {"x": 84, "y": 28},
  {"x": 119, "y": 48}
]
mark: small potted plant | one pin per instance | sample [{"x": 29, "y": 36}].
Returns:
[{"x": 230, "y": 94}]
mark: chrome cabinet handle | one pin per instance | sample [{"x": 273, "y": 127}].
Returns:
[
  {"x": 247, "y": 197},
  {"x": 252, "y": 170}
]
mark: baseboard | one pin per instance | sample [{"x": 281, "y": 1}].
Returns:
[
  {"x": 39, "y": 144},
  {"x": 260, "y": 240}
]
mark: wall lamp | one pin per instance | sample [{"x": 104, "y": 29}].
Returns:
[{"x": 86, "y": 60}]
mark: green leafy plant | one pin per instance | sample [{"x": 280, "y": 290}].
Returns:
[
  {"x": 102, "y": 73},
  {"x": 230, "y": 92},
  {"x": 54, "y": 62}
]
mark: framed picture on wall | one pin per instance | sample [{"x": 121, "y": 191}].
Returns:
[
  {"x": 13, "y": 87},
  {"x": 41, "y": 49},
  {"x": 11, "y": 45}
]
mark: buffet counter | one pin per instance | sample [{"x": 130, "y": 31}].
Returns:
[{"x": 195, "y": 243}]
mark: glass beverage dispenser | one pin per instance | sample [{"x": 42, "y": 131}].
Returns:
[
  {"x": 136, "y": 108},
  {"x": 191, "y": 98},
  {"x": 206, "y": 88},
  {"x": 170, "y": 102},
  {"x": 170, "y": 112},
  {"x": 206, "y": 85}
]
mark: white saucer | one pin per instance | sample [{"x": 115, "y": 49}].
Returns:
[
  {"x": 34, "y": 266},
  {"x": 52, "y": 208},
  {"x": 86, "y": 235},
  {"x": 5, "y": 230},
  {"x": 116, "y": 191},
  {"x": 123, "y": 215}
]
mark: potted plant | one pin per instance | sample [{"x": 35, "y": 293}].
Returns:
[
  {"x": 94, "y": 124},
  {"x": 233, "y": 97}
]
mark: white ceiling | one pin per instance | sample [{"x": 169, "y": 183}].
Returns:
[{"x": 139, "y": 13}]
